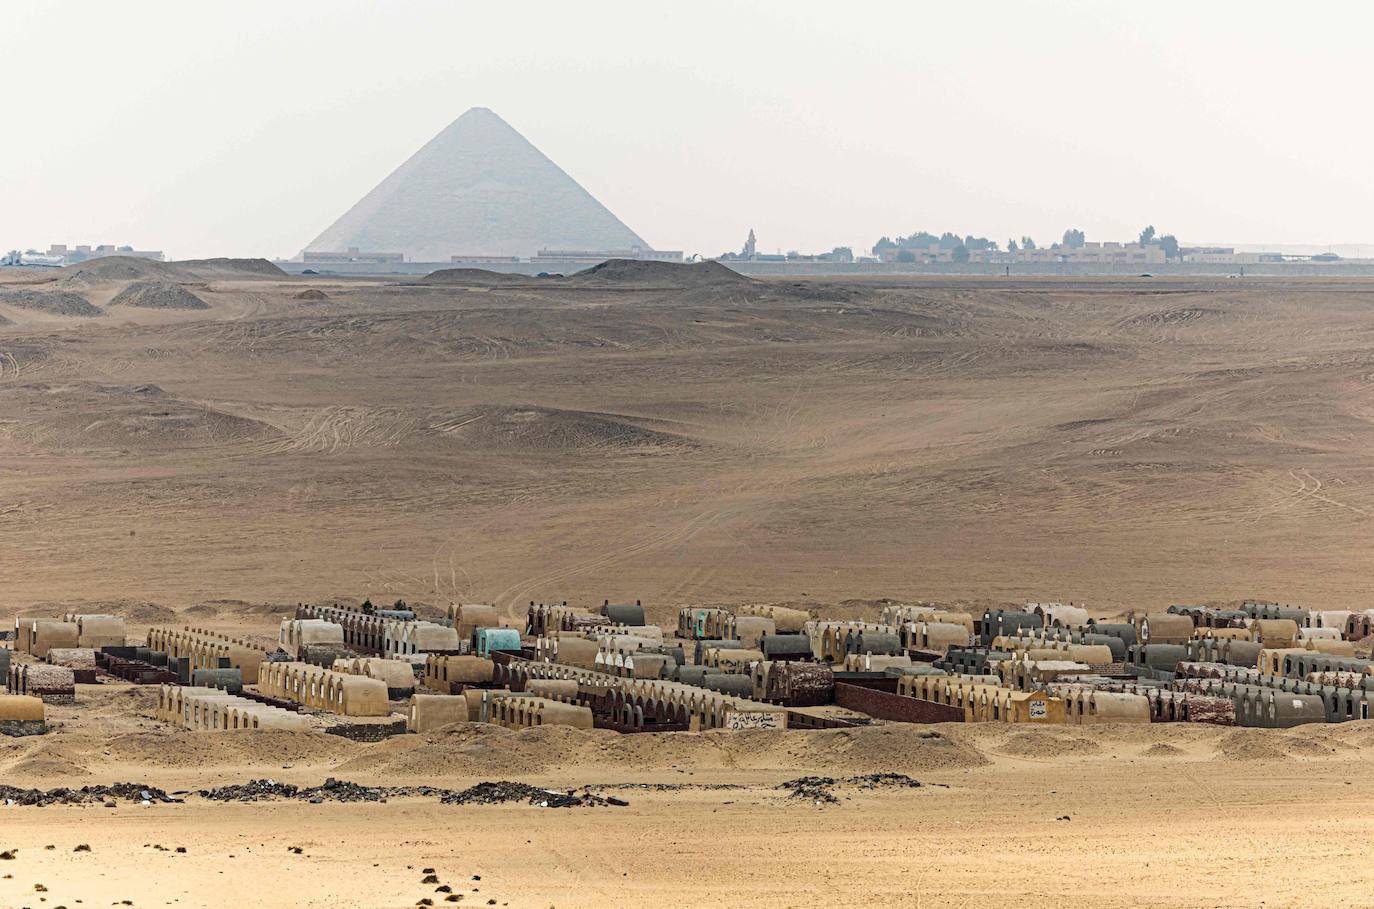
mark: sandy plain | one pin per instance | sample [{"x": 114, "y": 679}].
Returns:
[
  {"x": 1176, "y": 815},
  {"x": 1123, "y": 443},
  {"x": 1108, "y": 442}
]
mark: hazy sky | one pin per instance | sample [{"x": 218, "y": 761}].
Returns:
[{"x": 245, "y": 128}]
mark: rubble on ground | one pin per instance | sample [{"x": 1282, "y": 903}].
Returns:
[
  {"x": 86, "y": 795},
  {"x": 821, "y": 788}
]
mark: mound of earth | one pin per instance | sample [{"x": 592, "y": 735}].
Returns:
[
  {"x": 1162, "y": 749},
  {"x": 145, "y": 613},
  {"x": 310, "y": 293},
  {"x": 158, "y": 295},
  {"x": 475, "y": 748},
  {"x": 133, "y": 611},
  {"x": 470, "y": 276},
  {"x": 1040, "y": 743},
  {"x": 165, "y": 747},
  {"x": 638, "y": 273},
  {"x": 223, "y": 609},
  {"x": 48, "y": 766},
  {"x": 109, "y": 269},
  {"x": 119, "y": 417},
  {"x": 550, "y": 429},
  {"x": 226, "y": 268},
  {"x": 116, "y": 268},
  {"x": 1269, "y": 745},
  {"x": 54, "y": 302}
]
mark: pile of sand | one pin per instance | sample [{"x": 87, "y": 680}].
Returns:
[
  {"x": 54, "y": 303},
  {"x": 116, "y": 268},
  {"x": 229, "y": 268},
  {"x": 1272, "y": 745},
  {"x": 477, "y": 277},
  {"x": 164, "y": 746},
  {"x": 636, "y": 273},
  {"x": 223, "y": 609},
  {"x": 48, "y": 766},
  {"x": 139, "y": 612},
  {"x": 158, "y": 295},
  {"x": 128, "y": 418},
  {"x": 311, "y": 294},
  {"x": 1043, "y": 743},
  {"x": 474, "y": 749},
  {"x": 112, "y": 269}
]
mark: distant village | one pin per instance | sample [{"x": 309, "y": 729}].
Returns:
[
  {"x": 916, "y": 249},
  {"x": 922, "y": 248}
]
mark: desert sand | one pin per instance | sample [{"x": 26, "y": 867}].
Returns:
[
  {"x": 1109, "y": 442},
  {"x": 1124, "y": 444},
  {"x": 1179, "y": 815}
]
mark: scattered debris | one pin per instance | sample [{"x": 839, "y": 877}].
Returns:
[
  {"x": 820, "y": 788},
  {"x": 671, "y": 787},
  {"x": 86, "y": 795},
  {"x": 331, "y": 790},
  {"x": 505, "y": 792}
]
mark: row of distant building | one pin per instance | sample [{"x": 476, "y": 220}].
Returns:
[
  {"x": 1096, "y": 252},
  {"x": 1104, "y": 253},
  {"x": 60, "y": 254},
  {"x": 550, "y": 257}
]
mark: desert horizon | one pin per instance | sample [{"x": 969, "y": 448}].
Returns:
[{"x": 734, "y": 456}]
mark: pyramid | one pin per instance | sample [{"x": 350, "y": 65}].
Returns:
[{"x": 479, "y": 188}]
